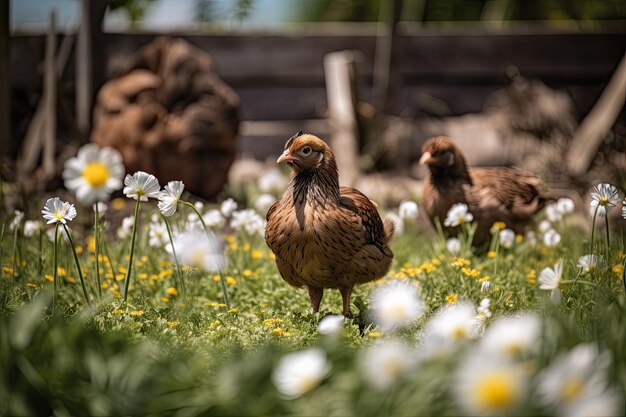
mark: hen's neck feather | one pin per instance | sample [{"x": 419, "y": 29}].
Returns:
[
  {"x": 317, "y": 185},
  {"x": 457, "y": 173}
]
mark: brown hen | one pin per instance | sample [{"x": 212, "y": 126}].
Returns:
[
  {"x": 508, "y": 195},
  {"x": 323, "y": 235}
]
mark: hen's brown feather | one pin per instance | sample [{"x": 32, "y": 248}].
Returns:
[
  {"x": 325, "y": 236},
  {"x": 492, "y": 194}
]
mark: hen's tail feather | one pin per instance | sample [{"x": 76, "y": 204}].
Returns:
[{"x": 389, "y": 226}]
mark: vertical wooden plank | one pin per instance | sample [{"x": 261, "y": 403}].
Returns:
[
  {"x": 339, "y": 70},
  {"x": 5, "y": 84},
  {"x": 84, "y": 80},
  {"x": 385, "y": 56},
  {"x": 50, "y": 97}
]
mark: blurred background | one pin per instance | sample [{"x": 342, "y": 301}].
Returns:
[{"x": 208, "y": 91}]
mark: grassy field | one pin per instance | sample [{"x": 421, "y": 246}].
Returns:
[{"x": 483, "y": 338}]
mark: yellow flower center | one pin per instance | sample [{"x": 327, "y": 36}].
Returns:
[
  {"x": 58, "y": 216},
  {"x": 604, "y": 201},
  {"x": 96, "y": 174},
  {"x": 396, "y": 312},
  {"x": 572, "y": 388},
  {"x": 306, "y": 384},
  {"x": 495, "y": 391},
  {"x": 393, "y": 367},
  {"x": 514, "y": 349},
  {"x": 459, "y": 333}
]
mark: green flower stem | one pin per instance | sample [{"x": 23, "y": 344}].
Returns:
[
  {"x": 80, "y": 272},
  {"x": 593, "y": 228},
  {"x": 1, "y": 241},
  {"x": 608, "y": 239},
  {"x": 55, "y": 273},
  {"x": 40, "y": 265},
  {"x": 14, "y": 263},
  {"x": 97, "y": 252},
  {"x": 206, "y": 231},
  {"x": 106, "y": 251},
  {"x": 178, "y": 269},
  {"x": 132, "y": 250}
]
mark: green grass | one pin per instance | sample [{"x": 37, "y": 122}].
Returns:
[{"x": 164, "y": 354}]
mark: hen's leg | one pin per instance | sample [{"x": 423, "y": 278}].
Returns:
[
  {"x": 316, "y": 298},
  {"x": 345, "y": 296}
]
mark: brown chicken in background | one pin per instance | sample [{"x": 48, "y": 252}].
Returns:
[
  {"x": 508, "y": 195},
  {"x": 323, "y": 235}
]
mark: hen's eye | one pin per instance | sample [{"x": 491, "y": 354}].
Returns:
[{"x": 306, "y": 150}]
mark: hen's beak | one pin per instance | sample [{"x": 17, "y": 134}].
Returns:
[
  {"x": 285, "y": 157},
  {"x": 426, "y": 158}
]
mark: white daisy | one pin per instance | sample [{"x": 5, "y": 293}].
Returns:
[
  {"x": 408, "y": 210},
  {"x": 574, "y": 379},
  {"x": 331, "y": 324},
  {"x": 272, "y": 181},
  {"x": 17, "y": 220},
  {"x": 451, "y": 324},
  {"x": 565, "y": 205},
  {"x": 457, "y": 215},
  {"x": 550, "y": 279},
  {"x": 141, "y": 186},
  {"x": 506, "y": 238},
  {"x": 126, "y": 227},
  {"x": 453, "y": 245},
  {"x": 483, "y": 309},
  {"x": 397, "y": 221},
  {"x": 170, "y": 197},
  {"x": 94, "y": 173},
  {"x": 544, "y": 226},
  {"x": 57, "y": 211},
  {"x": 248, "y": 220},
  {"x": 228, "y": 206},
  {"x": 31, "y": 227},
  {"x": 487, "y": 386},
  {"x": 588, "y": 262},
  {"x": 531, "y": 238},
  {"x": 198, "y": 249},
  {"x": 213, "y": 219},
  {"x": 485, "y": 285},
  {"x": 605, "y": 196},
  {"x": 551, "y": 238},
  {"x": 384, "y": 363},
  {"x": 512, "y": 337},
  {"x": 157, "y": 234},
  {"x": 300, "y": 372},
  {"x": 263, "y": 203},
  {"x": 553, "y": 213},
  {"x": 396, "y": 304}
]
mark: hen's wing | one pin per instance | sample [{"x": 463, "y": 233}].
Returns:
[
  {"x": 517, "y": 192},
  {"x": 376, "y": 232}
]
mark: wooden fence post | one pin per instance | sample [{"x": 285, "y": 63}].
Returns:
[
  {"x": 340, "y": 74},
  {"x": 5, "y": 83},
  {"x": 50, "y": 97}
]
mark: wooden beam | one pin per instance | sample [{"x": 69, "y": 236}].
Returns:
[
  {"x": 6, "y": 142},
  {"x": 50, "y": 97},
  {"x": 594, "y": 128},
  {"x": 84, "y": 79},
  {"x": 384, "y": 82}
]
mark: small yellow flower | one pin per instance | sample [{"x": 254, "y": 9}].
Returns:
[
  {"x": 144, "y": 259},
  {"x": 460, "y": 262},
  {"x": 48, "y": 278},
  {"x": 231, "y": 281},
  {"x": 214, "y": 304},
  {"x": 142, "y": 276},
  {"x": 485, "y": 278},
  {"x": 165, "y": 299},
  {"x": 492, "y": 254},
  {"x": 470, "y": 272},
  {"x": 79, "y": 249},
  {"x": 247, "y": 273},
  {"x": 172, "y": 291},
  {"x": 173, "y": 323},
  {"x": 118, "y": 203},
  {"x": 256, "y": 254},
  {"x": 28, "y": 284},
  {"x": 233, "y": 310},
  {"x": 618, "y": 269},
  {"x": 272, "y": 321},
  {"x": 497, "y": 226},
  {"x": 215, "y": 323},
  {"x": 216, "y": 278},
  {"x": 61, "y": 271},
  {"x": 154, "y": 277},
  {"x": 120, "y": 277},
  {"x": 165, "y": 273},
  {"x": 519, "y": 238},
  {"x": 117, "y": 312},
  {"x": 531, "y": 274},
  {"x": 7, "y": 270},
  {"x": 246, "y": 247},
  {"x": 452, "y": 298},
  {"x": 136, "y": 313},
  {"x": 263, "y": 305},
  {"x": 71, "y": 280},
  {"x": 277, "y": 330},
  {"x": 374, "y": 334}
]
